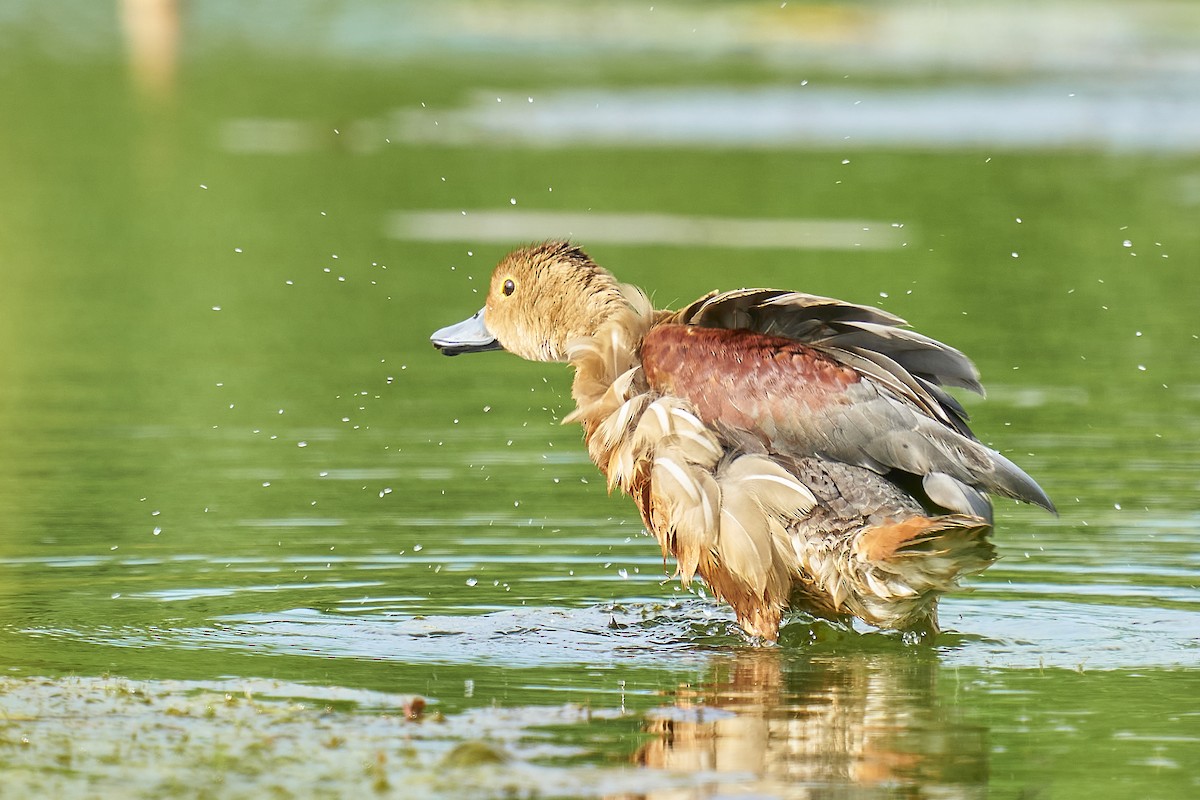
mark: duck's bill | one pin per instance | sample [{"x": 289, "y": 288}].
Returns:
[{"x": 469, "y": 336}]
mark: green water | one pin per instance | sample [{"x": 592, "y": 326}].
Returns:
[{"x": 230, "y": 462}]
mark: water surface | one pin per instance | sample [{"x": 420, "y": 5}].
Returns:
[{"x": 246, "y": 504}]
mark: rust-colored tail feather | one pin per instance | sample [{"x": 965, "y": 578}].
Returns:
[{"x": 927, "y": 553}]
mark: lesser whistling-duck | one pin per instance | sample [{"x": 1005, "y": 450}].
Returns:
[{"x": 792, "y": 450}]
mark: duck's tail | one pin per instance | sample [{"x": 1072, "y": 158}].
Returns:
[{"x": 894, "y": 573}]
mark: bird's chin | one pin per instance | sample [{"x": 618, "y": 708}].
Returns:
[{"x": 458, "y": 348}]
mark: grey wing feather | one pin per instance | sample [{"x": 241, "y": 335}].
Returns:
[
  {"x": 889, "y": 432},
  {"x": 936, "y": 362}
]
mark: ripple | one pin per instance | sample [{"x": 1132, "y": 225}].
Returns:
[
  {"x": 293, "y": 522},
  {"x": 1072, "y": 635},
  {"x": 677, "y": 634},
  {"x": 1009, "y": 634},
  {"x": 174, "y": 595}
]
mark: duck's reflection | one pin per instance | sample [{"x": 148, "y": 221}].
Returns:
[{"x": 795, "y": 725}]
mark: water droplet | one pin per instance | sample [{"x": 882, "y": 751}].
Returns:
[{"x": 472, "y": 582}]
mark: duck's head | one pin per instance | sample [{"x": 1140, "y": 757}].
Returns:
[{"x": 541, "y": 297}]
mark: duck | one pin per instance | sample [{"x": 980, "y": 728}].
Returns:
[{"x": 796, "y": 453}]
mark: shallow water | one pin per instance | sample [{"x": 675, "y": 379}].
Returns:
[{"x": 234, "y": 468}]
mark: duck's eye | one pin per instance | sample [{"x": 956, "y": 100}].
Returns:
[{"x": 509, "y": 288}]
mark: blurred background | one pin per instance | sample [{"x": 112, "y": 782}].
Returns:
[{"x": 226, "y": 447}]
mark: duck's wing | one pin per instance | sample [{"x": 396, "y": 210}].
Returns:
[
  {"x": 813, "y": 376},
  {"x": 869, "y": 340}
]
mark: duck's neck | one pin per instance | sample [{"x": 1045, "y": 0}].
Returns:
[{"x": 600, "y": 360}]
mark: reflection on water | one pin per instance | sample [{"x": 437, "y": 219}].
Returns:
[
  {"x": 152, "y": 39},
  {"x": 647, "y": 229},
  {"x": 775, "y": 725},
  {"x": 1149, "y": 117}
]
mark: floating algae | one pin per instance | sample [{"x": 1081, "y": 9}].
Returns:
[{"x": 88, "y": 737}]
